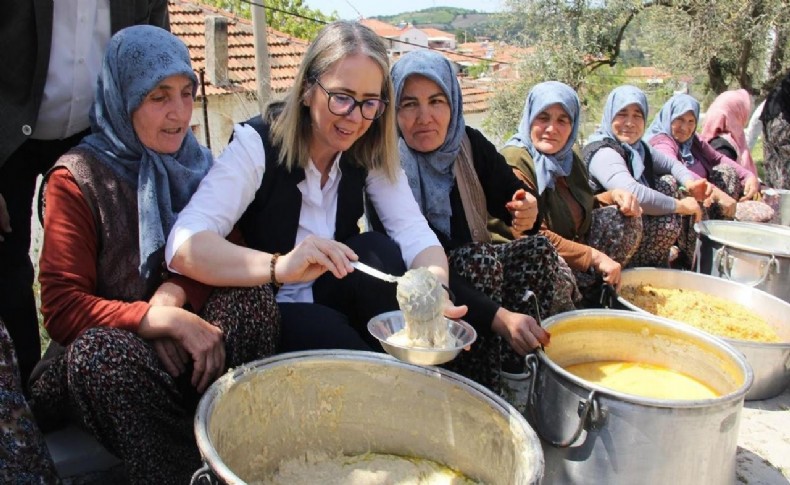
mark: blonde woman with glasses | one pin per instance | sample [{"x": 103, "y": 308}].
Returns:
[{"x": 294, "y": 181}]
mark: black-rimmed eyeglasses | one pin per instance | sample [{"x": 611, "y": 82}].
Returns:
[{"x": 341, "y": 104}]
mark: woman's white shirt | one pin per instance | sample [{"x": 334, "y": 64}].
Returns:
[{"x": 230, "y": 186}]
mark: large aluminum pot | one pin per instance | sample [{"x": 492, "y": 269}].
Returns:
[
  {"x": 275, "y": 409},
  {"x": 770, "y": 362},
  {"x": 593, "y": 434},
  {"x": 755, "y": 254}
]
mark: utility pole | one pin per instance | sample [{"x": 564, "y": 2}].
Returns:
[{"x": 263, "y": 71}]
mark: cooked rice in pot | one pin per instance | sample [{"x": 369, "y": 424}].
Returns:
[{"x": 709, "y": 313}]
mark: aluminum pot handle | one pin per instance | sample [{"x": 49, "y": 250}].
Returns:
[
  {"x": 722, "y": 263},
  {"x": 204, "y": 476},
  {"x": 585, "y": 407}
]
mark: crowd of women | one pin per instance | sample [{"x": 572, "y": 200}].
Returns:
[{"x": 162, "y": 266}]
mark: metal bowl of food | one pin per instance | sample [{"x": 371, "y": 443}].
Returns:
[
  {"x": 388, "y": 324},
  {"x": 770, "y": 361}
]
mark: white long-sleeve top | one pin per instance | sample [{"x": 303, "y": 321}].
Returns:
[{"x": 230, "y": 186}]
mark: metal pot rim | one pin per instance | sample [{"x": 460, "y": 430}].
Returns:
[
  {"x": 209, "y": 399},
  {"x": 719, "y": 281},
  {"x": 703, "y": 228},
  {"x": 734, "y": 353}
]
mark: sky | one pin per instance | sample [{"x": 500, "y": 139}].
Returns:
[{"x": 347, "y": 9}]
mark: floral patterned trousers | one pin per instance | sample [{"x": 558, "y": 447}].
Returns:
[
  {"x": 123, "y": 395},
  {"x": 505, "y": 273},
  {"x": 24, "y": 458}
]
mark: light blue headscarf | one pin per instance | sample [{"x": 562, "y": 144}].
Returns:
[
  {"x": 540, "y": 97},
  {"x": 618, "y": 99},
  {"x": 137, "y": 60},
  {"x": 676, "y": 106},
  {"x": 431, "y": 174}
]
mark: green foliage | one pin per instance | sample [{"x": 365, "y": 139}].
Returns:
[
  {"x": 279, "y": 15},
  {"x": 432, "y": 15},
  {"x": 587, "y": 43}
]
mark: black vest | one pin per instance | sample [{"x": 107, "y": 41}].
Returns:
[
  {"x": 272, "y": 218},
  {"x": 591, "y": 149}
]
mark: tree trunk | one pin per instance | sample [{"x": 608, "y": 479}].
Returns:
[{"x": 716, "y": 76}]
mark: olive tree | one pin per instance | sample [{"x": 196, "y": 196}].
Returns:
[{"x": 290, "y": 16}]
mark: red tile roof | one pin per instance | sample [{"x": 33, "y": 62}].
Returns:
[
  {"x": 187, "y": 21},
  {"x": 382, "y": 28}
]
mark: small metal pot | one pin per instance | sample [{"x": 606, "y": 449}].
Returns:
[
  {"x": 754, "y": 254},
  {"x": 770, "y": 362},
  {"x": 348, "y": 402},
  {"x": 593, "y": 434}
]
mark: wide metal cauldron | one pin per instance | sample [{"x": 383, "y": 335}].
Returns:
[
  {"x": 593, "y": 434},
  {"x": 347, "y": 402},
  {"x": 770, "y": 362},
  {"x": 754, "y": 254}
]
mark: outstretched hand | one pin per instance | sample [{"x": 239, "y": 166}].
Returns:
[
  {"x": 700, "y": 189},
  {"x": 520, "y": 331},
  {"x": 523, "y": 208},
  {"x": 750, "y": 188}
]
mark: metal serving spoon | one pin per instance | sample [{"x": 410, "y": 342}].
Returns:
[{"x": 388, "y": 277}]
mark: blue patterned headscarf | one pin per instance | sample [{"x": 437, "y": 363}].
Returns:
[
  {"x": 431, "y": 174},
  {"x": 618, "y": 99},
  {"x": 676, "y": 106},
  {"x": 541, "y": 97},
  {"x": 138, "y": 59}
]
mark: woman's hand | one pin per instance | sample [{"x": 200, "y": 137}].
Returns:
[
  {"x": 312, "y": 257},
  {"x": 524, "y": 210},
  {"x": 700, "y": 189},
  {"x": 727, "y": 203},
  {"x": 520, "y": 331},
  {"x": 609, "y": 268},
  {"x": 172, "y": 355},
  {"x": 688, "y": 206},
  {"x": 751, "y": 187},
  {"x": 199, "y": 339},
  {"x": 627, "y": 202}
]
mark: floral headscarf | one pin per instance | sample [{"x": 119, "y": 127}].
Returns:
[{"x": 138, "y": 58}]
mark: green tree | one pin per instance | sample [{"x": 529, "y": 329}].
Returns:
[
  {"x": 290, "y": 16},
  {"x": 726, "y": 42}
]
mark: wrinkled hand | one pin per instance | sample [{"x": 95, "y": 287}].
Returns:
[
  {"x": 727, "y": 203},
  {"x": 627, "y": 202},
  {"x": 523, "y": 209},
  {"x": 313, "y": 257},
  {"x": 699, "y": 189},
  {"x": 5, "y": 219},
  {"x": 688, "y": 206},
  {"x": 172, "y": 355},
  {"x": 202, "y": 341},
  {"x": 609, "y": 268},
  {"x": 750, "y": 188},
  {"x": 520, "y": 331}
]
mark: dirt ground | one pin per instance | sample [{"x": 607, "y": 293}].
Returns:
[{"x": 764, "y": 442}]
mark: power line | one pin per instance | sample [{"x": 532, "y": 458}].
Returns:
[{"x": 318, "y": 21}]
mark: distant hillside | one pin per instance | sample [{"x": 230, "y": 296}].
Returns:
[{"x": 450, "y": 19}]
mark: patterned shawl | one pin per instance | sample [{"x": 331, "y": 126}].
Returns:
[{"x": 137, "y": 60}]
